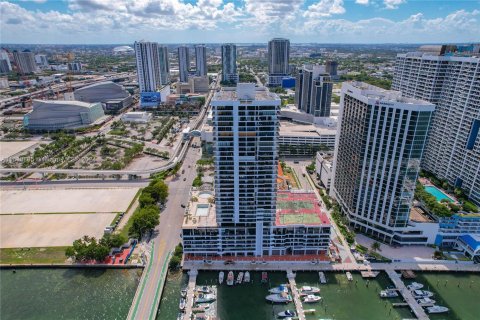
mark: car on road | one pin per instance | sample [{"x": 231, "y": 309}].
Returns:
[
  {"x": 184, "y": 179},
  {"x": 228, "y": 262},
  {"x": 182, "y": 205}
]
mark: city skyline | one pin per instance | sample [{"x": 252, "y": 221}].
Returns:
[{"x": 215, "y": 21}]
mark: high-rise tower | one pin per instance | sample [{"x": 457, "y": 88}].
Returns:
[
  {"x": 183, "y": 63},
  {"x": 229, "y": 63},
  {"x": 278, "y": 57},
  {"x": 201, "y": 60},
  {"x": 449, "y": 77},
  {"x": 152, "y": 65},
  {"x": 313, "y": 90},
  {"x": 379, "y": 146}
]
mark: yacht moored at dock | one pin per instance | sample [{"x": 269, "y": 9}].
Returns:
[{"x": 221, "y": 275}]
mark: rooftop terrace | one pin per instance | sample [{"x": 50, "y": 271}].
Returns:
[
  {"x": 200, "y": 212},
  {"x": 299, "y": 208}
]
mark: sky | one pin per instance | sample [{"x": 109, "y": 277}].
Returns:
[{"x": 238, "y": 21}]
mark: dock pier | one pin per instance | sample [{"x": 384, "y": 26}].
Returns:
[
  {"x": 295, "y": 295},
  {"x": 407, "y": 295},
  {"x": 192, "y": 280}
]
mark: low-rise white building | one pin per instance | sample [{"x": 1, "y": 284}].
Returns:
[
  {"x": 305, "y": 139},
  {"x": 137, "y": 117},
  {"x": 323, "y": 168}
]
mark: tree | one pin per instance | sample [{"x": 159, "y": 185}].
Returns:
[
  {"x": 375, "y": 246},
  {"x": 174, "y": 263},
  {"x": 143, "y": 220},
  {"x": 146, "y": 199},
  {"x": 113, "y": 240}
]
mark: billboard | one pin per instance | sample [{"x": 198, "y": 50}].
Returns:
[{"x": 149, "y": 99}]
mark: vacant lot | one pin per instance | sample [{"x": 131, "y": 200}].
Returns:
[
  {"x": 66, "y": 200},
  {"x": 50, "y": 230},
  {"x": 9, "y": 148}
]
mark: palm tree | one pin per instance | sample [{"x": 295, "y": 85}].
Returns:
[{"x": 375, "y": 246}]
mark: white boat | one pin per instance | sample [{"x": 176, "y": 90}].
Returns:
[
  {"x": 322, "y": 277},
  {"x": 279, "y": 298},
  {"x": 417, "y": 294},
  {"x": 414, "y": 286},
  {"x": 204, "y": 289},
  {"x": 280, "y": 289},
  {"x": 240, "y": 278},
  {"x": 205, "y": 298},
  {"x": 349, "y": 276},
  {"x": 182, "y": 304},
  {"x": 183, "y": 293},
  {"x": 221, "y": 275},
  {"x": 437, "y": 309},
  {"x": 230, "y": 278},
  {"x": 287, "y": 313},
  {"x": 388, "y": 293},
  {"x": 426, "y": 302},
  {"x": 246, "y": 277},
  {"x": 180, "y": 316},
  {"x": 311, "y": 298},
  {"x": 305, "y": 290}
]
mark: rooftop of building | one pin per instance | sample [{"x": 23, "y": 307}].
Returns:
[
  {"x": 200, "y": 212},
  {"x": 299, "y": 208},
  {"x": 245, "y": 91},
  {"x": 472, "y": 240},
  {"x": 64, "y": 102},
  {"x": 417, "y": 214},
  {"x": 292, "y": 129},
  {"x": 374, "y": 92}
]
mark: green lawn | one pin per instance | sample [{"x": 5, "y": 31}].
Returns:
[
  {"x": 32, "y": 255},
  {"x": 299, "y": 219},
  {"x": 294, "y": 205}
]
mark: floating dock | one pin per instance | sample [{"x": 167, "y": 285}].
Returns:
[
  {"x": 295, "y": 295},
  {"x": 192, "y": 280},
  {"x": 407, "y": 295}
]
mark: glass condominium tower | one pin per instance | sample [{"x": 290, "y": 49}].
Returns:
[
  {"x": 278, "y": 58},
  {"x": 245, "y": 133},
  {"x": 378, "y": 149},
  {"x": 449, "y": 77}
]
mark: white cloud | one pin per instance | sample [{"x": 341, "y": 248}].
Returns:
[
  {"x": 325, "y": 8},
  {"x": 393, "y": 4},
  {"x": 114, "y": 21},
  {"x": 363, "y": 2}
]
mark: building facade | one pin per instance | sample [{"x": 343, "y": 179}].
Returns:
[
  {"x": 52, "y": 115},
  {"x": 451, "y": 81},
  {"x": 278, "y": 58},
  {"x": 164, "y": 65},
  {"x": 313, "y": 91},
  {"x": 41, "y": 60},
  {"x": 5, "y": 65},
  {"x": 183, "y": 63},
  {"x": 379, "y": 146},
  {"x": 25, "y": 61},
  {"x": 150, "y": 59},
  {"x": 201, "y": 60},
  {"x": 229, "y": 63},
  {"x": 331, "y": 67}
]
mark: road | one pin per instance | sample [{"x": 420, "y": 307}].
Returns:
[
  {"x": 299, "y": 167},
  {"x": 167, "y": 233},
  {"x": 65, "y": 184}
]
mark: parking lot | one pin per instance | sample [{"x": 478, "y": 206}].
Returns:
[
  {"x": 9, "y": 148},
  {"x": 50, "y": 230},
  {"x": 65, "y": 200}
]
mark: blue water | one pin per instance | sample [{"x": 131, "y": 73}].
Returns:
[{"x": 437, "y": 193}]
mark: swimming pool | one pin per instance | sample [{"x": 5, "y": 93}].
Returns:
[{"x": 437, "y": 193}]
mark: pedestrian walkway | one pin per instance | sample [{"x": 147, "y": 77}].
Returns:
[
  {"x": 192, "y": 280},
  {"x": 295, "y": 295},
  {"x": 407, "y": 295}
]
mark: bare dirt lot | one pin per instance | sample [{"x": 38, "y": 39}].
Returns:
[
  {"x": 9, "y": 148},
  {"x": 49, "y": 230},
  {"x": 66, "y": 200}
]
